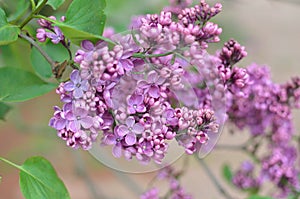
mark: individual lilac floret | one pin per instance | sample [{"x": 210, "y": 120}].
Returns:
[
  {"x": 41, "y": 35},
  {"x": 136, "y": 104},
  {"x": 56, "y": 36},
  {"x": 130, "y": 130},
  {"x": 77, "y": 85},
  {"x": 115, "y": 140},
  {"x": 79, "y": 118},
  {"x": 151, "y": 86},
  {"x": 45, "y": 23}
]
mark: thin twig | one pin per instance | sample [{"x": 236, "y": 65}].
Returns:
[
  {"x": 220, "y": 188},
  {"x": 43, "y": 53}
]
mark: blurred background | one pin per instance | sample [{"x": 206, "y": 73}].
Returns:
[{"x": 270, "y": 30}]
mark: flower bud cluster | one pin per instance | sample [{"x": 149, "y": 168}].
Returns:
[{"x": 47, "y": 30}]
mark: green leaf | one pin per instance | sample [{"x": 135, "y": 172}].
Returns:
[
  {"x": 85, "y": 19},
  {"x": 56, "y": 51},
  {"x": 55, "y": 3},
  {"x": 259, "y": 197},
  {"x": 38, "y": 180},
  {"x": 8, "y": 33},
  {"x": 227, "y": 173},
  {"x": 20, "y": 85},
  {"x": 4, "y": 108},
  {"x": 21, "y": 8}
]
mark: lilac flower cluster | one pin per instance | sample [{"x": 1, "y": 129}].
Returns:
[
  {"x": 266, "y": 110},
  {"x": 245, "y": 178},
  {"x": 47, "y": 30},
  {"x": 159, "y": 84},
  {"x": 175, "y": 191},
  {"x": 140, "y": 94}
]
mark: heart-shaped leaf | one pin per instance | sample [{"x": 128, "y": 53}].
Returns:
[
  {"x": 20, "y": 85},
  {"x": 4, "y": 108},
  {"x": 8, "y": 33},
  {"x": 55, "y": 3},
  {"x": 85, "y": 19}
]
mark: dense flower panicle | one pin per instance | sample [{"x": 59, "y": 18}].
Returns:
[
  {"x": 279, "y": 167},
  {"x": 151, "y": 100},
  {"x": 266, "y": 111}
]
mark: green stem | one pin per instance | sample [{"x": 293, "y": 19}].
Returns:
[
  {"x": 10, "y": 163},
  {"x": 34, "y": 12},
  {"x": 32, "y": 4},
  {"x": 141, "y": 55}
]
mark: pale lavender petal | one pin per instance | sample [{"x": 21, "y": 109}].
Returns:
[
  {"x": 74, "y": 126},
  {"x": 52, "y": 121},
  {"x": 87, "y": 45},
  {"x": 160, "y": 81},
  {"x": 117, "y": 150},
  {"x": 84, "y": 85},
  {"x": 122, "y": 130},
  {"x": 69, "y": 86},
  {"x": 154, "y": 91},
  {"x": 77, "y": 93},
  {"x": 126, "y": 64},
  {"x": 130, "y": 122},
  {"x": 109, "y": 139},
  {"x": 131, "y": 110},
  {"x": 130, "y": 139},
  {"x": 141, "y": 108},
  {"x": 152, "y": 77},
  {"x": 67, "y": 107},
  {"x": 75, "y": 76},
  {"x": 78, "y": 111},
  {"x": 87, "y": 122},
  {"x": 139, "y": 99},
  {"x": 138, "y": 128},
  {"x": 69, "y": 115},
  {"x": 143, "y": 84},
  {"x": 60, "y": 124}
]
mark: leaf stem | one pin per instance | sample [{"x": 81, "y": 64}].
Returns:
[
  {"x": 34, "y": 12},
  {"x": 213, "y": 178},
  {"x": 141, "y": 55},
  {"x": 10, "y": 163},
  {"x": 43, "y": 53}
]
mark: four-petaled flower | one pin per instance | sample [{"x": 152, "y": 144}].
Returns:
[
  {"x": 55, "y": 36},
  {"x": 115, "y": 140},
  {"x": 77, "y": 85},
  {"x": 152, "y": 84},
  {"x": 79, "y": 118},
  {"x": 129, "y": 130},
  {"x": 136, "y": 104}
]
